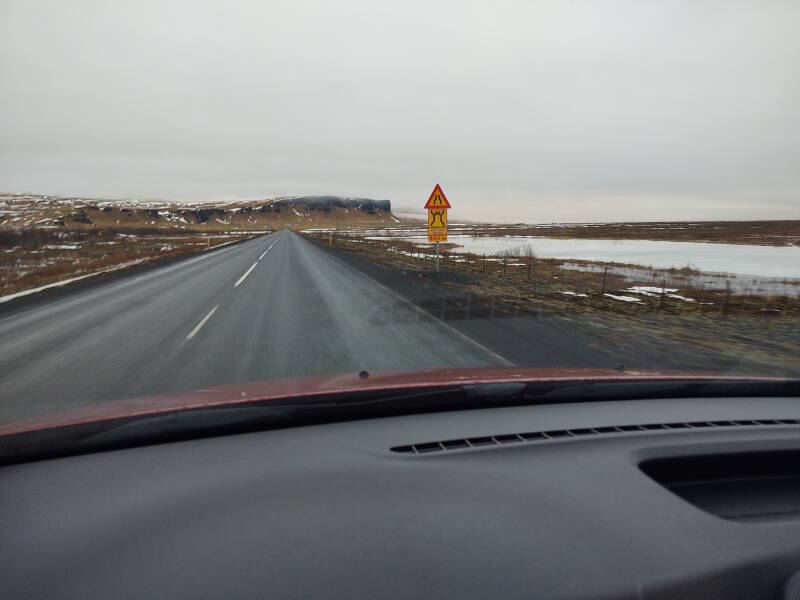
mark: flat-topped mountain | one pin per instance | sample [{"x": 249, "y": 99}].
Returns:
[{"x": 32, "y": 210}]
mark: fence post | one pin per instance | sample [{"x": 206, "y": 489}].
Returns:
[
  {"x": 727, "y": 298},
  {"x": 505, "y": 262},
  {"x": 529, "y": 270},
  {"x": 605, "y": 276}
]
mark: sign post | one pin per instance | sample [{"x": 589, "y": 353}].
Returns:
[{"x": 437, "y": 206}]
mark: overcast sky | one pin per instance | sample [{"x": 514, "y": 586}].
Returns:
[{"x": 542, "y": 111}]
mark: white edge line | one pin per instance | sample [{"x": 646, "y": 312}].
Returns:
[
  {"x": 246, "y": 273},
  {"x": 224, "y": 244},
  {"x": 194, "y": 331},
  {"x": 68, "y": 281}
]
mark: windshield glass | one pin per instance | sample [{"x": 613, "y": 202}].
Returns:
[{"x": 200, "y": 194}]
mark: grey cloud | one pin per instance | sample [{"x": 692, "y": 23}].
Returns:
[{"x": 529, "y": 110}]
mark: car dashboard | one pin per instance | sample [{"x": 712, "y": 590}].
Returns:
[{"x": 668, "y": 498}]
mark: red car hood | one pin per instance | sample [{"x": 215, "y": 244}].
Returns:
[{"x": 341, "y": 384}]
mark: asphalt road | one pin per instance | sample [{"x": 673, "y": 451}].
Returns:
[{"x": 275, "y": 306}]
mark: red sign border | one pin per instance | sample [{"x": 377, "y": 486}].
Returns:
[{"x": 433, "y": 193}]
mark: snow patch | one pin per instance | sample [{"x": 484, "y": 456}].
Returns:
[
  {"x": 679, "y": 297},
  {"x": 623, "y": 298},
  {"x": 648, "y": 289}
]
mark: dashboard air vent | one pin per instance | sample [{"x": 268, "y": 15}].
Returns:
[{"x": 560, "y": 434}]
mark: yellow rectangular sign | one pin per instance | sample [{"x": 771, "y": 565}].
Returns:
[{"x": 437, "y": 224}]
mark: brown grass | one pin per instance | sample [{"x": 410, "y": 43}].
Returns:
[
  {"x": 526, "y": 279},
  {"x": 762, "y": 329},
  {"x": 31, "y": 258}
]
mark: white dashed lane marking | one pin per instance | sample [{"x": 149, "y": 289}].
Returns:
[
  {"x": 246, "y": 273},
  {"x": 194, "y": 331}
]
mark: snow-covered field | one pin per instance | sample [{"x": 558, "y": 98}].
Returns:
[
  {"x": 738, "y": 284},
  {"x": 738, "y": 259}
]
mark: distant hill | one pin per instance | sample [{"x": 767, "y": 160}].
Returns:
[
  {"x": 300, "y": 212},
  {"x": 329, "y": 203}
]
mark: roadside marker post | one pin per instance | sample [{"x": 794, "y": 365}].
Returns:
[{"x": 437, "y": 206}]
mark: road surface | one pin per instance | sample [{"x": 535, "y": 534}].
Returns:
[{"x": 274, "y": 306}]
